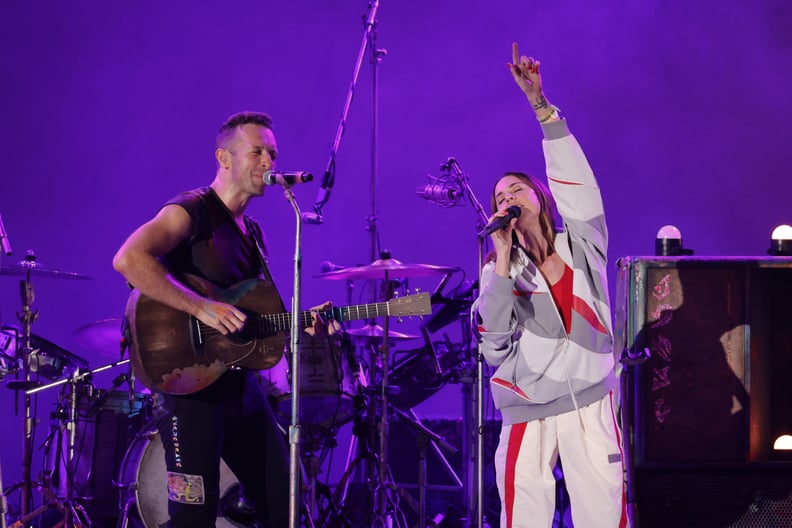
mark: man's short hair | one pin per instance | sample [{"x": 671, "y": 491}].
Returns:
[{"x": 228, "y": 128}]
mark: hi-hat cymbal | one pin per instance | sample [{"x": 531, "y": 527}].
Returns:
[
  {"x": 386, "y": 268},
  {"x": 35, "y": 268},
  {"x": 376, "y": 332},
  {"x": 102, "y": 337}
]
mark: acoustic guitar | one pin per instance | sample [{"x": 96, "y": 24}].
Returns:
[{"x": 172, "y": 352}]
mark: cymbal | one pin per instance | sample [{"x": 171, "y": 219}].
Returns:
[
  {"x": 35, "y": 268},
  {"x": 376, "y": 332},
  {"x": 391, "y": 268},
  {"x": 102, "y": 337}
]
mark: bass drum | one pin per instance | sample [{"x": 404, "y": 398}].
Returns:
[{"x": 144, "y": 481}]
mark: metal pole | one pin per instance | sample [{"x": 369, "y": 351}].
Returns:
[
  {"x": 474, "y": 405},
  {"x": 294, "y": 345},
  {"x": 376, "y": 59}
]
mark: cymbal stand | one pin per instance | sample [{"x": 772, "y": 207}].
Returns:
[
  {"x": 27, "y": 317},
  {"x": 383, "y": 518}
]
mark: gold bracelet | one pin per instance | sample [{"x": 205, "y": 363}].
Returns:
[{"x": 553, "y": 114}]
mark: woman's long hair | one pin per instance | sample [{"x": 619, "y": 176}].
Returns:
[{"x": 547, "y": 214}]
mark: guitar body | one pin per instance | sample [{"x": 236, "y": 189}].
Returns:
[{"x": 173, "y": 353}]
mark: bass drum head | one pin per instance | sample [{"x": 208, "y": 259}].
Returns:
[{"x": 143, "y": 470}]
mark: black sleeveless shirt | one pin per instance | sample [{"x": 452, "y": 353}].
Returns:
[{"x": 218, "y": 250}]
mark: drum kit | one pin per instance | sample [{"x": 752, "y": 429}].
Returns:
[{"x": 104, "y": 462}]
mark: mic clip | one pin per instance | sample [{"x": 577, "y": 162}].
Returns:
[{"x": 100, "y": 401}]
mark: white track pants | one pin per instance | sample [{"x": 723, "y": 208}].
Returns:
[{"x": 589, "y": 443}]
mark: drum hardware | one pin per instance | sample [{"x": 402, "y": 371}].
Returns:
[
  {"x": 424, "y": 371},
  {"x": 46, "y": 359},
  {"x": 52, "y": 360},
  {"x": 73, "y": 513},
  {"x": 332, "y": 385},
  {"x": 377, "y": 339},
  {"x": 425, "y": 439},
  {"x": 330, "y": 380},
  {"x": 67, "y": 502}
]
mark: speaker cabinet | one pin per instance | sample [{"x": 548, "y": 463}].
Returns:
[{"x": 707, "y": 388}]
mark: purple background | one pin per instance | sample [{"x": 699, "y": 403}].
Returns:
[{"x": 108, "y": 109}]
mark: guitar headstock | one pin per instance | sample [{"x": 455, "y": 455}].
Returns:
[{"x": 418, "y": 304}]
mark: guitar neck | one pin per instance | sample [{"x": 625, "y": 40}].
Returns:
[{"x": 283, "y": 321}]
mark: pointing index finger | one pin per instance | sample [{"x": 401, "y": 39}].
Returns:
[{"x": 515, "y": 54}]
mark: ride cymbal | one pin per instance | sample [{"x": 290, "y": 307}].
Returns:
[
  {"x": 386, "y": 268},
  {"x": 102, "y": 337}
]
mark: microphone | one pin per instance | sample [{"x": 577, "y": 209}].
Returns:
[
  {"x": 93, "y": 409},
  {"x": 4, "y": 243},
  {"x": 439, "y": 193},
  {"x": 513, "y": 211},
  {"x": 286, "y": 178},
  {"x": 327, "y": 266}
]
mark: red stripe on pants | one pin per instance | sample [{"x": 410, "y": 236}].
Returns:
[{"x": 512, "y": 452}]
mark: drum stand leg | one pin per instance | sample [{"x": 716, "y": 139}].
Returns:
[
  {"x": 310, "y": 464},
  {"x": 426, "y": 439}
]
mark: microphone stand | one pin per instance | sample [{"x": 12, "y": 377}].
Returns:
[
  {"x": 473, "y": 402},
  {"x": 294, "y": 345}
]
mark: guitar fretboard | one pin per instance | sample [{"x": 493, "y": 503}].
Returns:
[{"x": 282, "y": 321}]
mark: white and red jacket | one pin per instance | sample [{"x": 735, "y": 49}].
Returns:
[{"x": 543, "y": 370}]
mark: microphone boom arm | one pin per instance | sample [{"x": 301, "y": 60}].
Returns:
[
  {"x": 453, "y": 167},
  {"x": 328, "y": 179}
]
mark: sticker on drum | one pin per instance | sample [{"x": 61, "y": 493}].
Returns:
[
  {"x": 330, "y": 379},
  {"x": 143, "y": 473}
]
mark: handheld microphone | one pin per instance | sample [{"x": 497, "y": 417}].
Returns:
[
  {"x": 286, "y": 178},
  {"x": 513, "y": 211}
]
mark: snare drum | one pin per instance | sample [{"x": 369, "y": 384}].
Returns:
[
  {"x": 144, "y": 477},
  {"x": 330, "y": 379}
]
